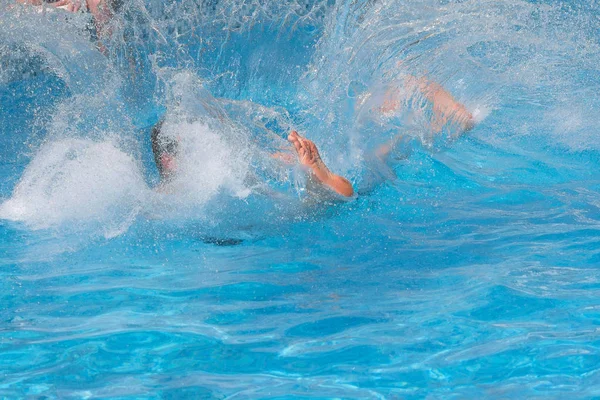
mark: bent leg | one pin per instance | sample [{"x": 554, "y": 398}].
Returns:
[{"x": 445, "y": 107}]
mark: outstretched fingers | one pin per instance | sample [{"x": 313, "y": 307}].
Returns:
[
  {"x": 293, "y": 138},
  {"x": 308, "y": 155},
  {"x": 298, "y": 143}
]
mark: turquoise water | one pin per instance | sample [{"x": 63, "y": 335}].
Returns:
[{"x": 471, "y": 271}]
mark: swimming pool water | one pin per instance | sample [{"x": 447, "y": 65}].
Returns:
[{"x": 474, "y": 273}]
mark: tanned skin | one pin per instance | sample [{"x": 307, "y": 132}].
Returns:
[{"x": 308, "y": 155}]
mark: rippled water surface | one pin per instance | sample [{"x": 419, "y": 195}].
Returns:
[{"x": 470, "y": 271}]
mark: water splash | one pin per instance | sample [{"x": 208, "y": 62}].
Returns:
[
  {"x": 82, "y": 183},
  {"x": 322, "y": 67}
]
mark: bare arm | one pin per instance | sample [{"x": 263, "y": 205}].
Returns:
[
  {"x": 102, "y": 13},
  {"x": 308, "y": 154}
]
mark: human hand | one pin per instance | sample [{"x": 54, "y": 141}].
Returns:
[{"x": 308, "y": 154}]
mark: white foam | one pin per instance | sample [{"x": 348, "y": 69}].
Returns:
[
  {"x": 96, "y": 187},
  {"x": 480, "y": 113},
  {"x": 78, "y": 182},
  {"x": 207, "y": 165}
]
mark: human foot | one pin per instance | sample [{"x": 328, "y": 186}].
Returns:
[{"x": 308, "y": 155}]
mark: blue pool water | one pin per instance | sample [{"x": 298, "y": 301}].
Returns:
[{"x": 471, "y": 271}]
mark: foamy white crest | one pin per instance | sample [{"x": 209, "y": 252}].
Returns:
[
  {"x": 207, "y": 164},
  {"x": 78, "y": 181}
]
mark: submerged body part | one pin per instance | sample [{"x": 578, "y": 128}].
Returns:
[
  {"x": 166, "y": 149},
  {"x": 446, "y": 110}
]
